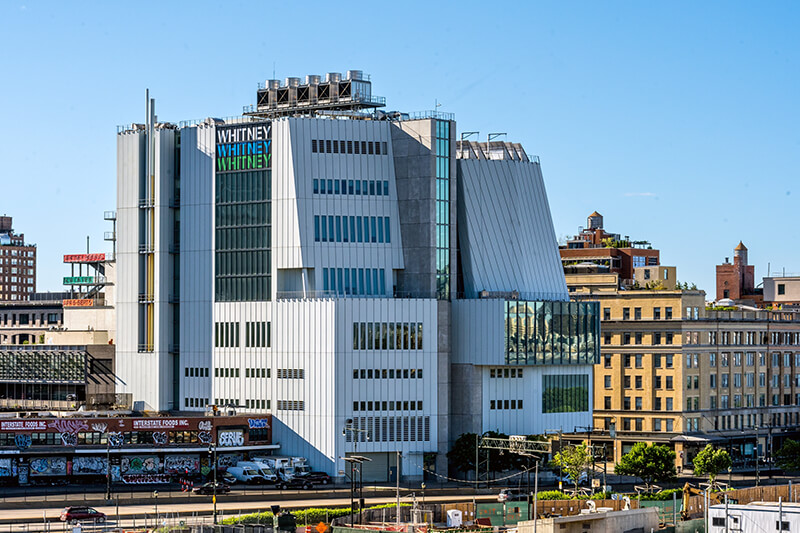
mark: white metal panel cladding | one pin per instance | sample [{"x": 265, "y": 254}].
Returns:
[
  {"x": 478, "y": 332},
  {"x": 130, "y": 169},
  {"x": 530, "y": 419},
  {"x": 196, "y": 261},
  {"x": 506, "y": 232}
]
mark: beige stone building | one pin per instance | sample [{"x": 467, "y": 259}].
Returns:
[{"x": 674, "y": 372}]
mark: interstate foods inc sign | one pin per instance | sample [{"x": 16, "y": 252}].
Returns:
[{"x": 243, "y": 147}]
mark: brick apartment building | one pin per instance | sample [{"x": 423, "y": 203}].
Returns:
[{"x": 17, "y": 263}]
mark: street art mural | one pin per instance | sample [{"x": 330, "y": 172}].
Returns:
[
  {"x": 89, "y": 465},
  {"x": 181, "y": 464},
  {"x": 160, "y": 437},
  {"x": 22, "y": 441},
  {"x": 205, "y": 437},
  {"x": 48, "y": 466},
  {"x": 140, "y": 464},
  {"x": 64, "y": 425},
  {"x": 6, "y": 468}
]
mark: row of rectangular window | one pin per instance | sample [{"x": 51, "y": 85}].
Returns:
[
  {"x": 505, "y": 372},
  {"x": 226, "y": 372},
  {"x": 195, "y": 402},
  {"x": 354, "y": 281},
  {"x": 405, "y": 405},
  {"x": 256, "y": 372},
  {"x": 387, "y": 336},
  {"x": 752, "y": 338},
  {"x": 291, "y": 373},
  {"x": 242, "y": 289},
  {"x": 752, "y": 420},
  {"x": 290, "y": 405},
  {"x": 505, "y": 404},
  {"x": 390, "y": 429},
  {"x": 638, "y": 337},
  {"x": 256, "y": 404},
  {"x": 637, "y": 424},
  {"x": 352, "y": 187},
  {"x": 626, "y": 403},
  {"x": 330, "y": 146},
  {"x": 725, "y": 359},
  {"x": 387, "y": 373},
  {"x": 335, "y": 228},
  {"x": 226, "y": 402},
  {"x": 195, "y": 372},
  {"x": 257, "y": 334},
  {"x": 637, "y": 313},
  {"x": 626, "y": 381}
]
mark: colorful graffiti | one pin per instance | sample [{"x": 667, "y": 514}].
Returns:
[
  {"x": 22, "y": 441},
  {"x": 48, "y": 466},
  {"x": 160, "y": 437},
  {"x": 224, "y": 460},
  {"x": 6, "y": 468},
  {"x": 230, "y": 438},
  {"x": 63, "y": 425},
  {"x": 89, "y": 465},
  {"x": 143, "y": 479},
  {"x": 69, "y": 439},
  {"x": 116, "y": 440},
  {"x": 181, "y": 464},
  {"x": 205, "y": 437},
  {"x": 143, "y": 464}
]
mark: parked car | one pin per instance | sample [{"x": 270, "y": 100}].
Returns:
[
  {"x": 75, "y": 514},
  {"x": 295, "y": 483},
  {"x": 208, "y": 488},
  {"x": 512, "y": 495},
  {"x": 316, "y": 477},
  {"x": 229, "y": 479}
]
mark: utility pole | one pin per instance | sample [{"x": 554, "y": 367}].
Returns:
[
  {"x": 212, "y": 451},
  {"x": 397, "y": 509}
]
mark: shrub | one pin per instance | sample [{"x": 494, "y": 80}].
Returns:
[{"x": 303, "y": 516}]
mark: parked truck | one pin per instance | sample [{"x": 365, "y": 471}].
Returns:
[{"x": 286, "y": 467}]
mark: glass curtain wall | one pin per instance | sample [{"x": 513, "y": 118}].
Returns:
[{"x": 442, "y": 209}]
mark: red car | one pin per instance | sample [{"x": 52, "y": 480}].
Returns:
[{"x": 73, "y": 515}]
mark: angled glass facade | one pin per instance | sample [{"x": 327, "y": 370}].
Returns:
[
  {"x": 442, "y": 209},
  {"x": 552, "y": 333}
]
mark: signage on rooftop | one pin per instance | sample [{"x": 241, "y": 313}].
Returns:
[
  {"x": 78, "y": 280},
  {"x": 243, "y": 147},
  {"x": 82, "y": 302},
  {"x": 84, "y": 258}
]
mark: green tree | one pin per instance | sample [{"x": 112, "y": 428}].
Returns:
[
  {"x": 711, "y": 461},
  {"x": 650, "y": 463},
  {"x": 788, "y": 457},
  {"x": 462, "y": 454},
  {"x": 573, "y": 460}
]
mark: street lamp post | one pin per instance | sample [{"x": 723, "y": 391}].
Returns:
[
  {"x": 108, "y": 467},
  {"x": 355, "y": 470},
  {"x": 155, "y": 495},
  {"x": 212, "y": 451}
]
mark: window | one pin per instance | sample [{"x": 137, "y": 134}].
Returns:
[
  {"x": 627, "y": 360},
  {"x": 669, "y": 406},
  {"x": 607, "y": 360},
  {"x": 607, "y": 381},
  {"x": 637, "y": 313},
  {"x": 712, "y": 381},
  {"x": 567, "y": 393},
  {"x": 606, "y": 313},
  {"x": 669, "y": 358},
  {"x": 626, "y": 382},
  {"x": 656, "y": 313},
  {"x": 668, "y": 313},
  {"x": 638, "y": 382},
  {"x": 626, "y": 338},
  {"x": 669, "y": 382},
  {"x": 782, "y": 290},
  {"x": 607, "y": 402},
  {"x": 626, "y": 313},
  {"x": 639, "y": 360},
  {"x": 639, "y": 337}
]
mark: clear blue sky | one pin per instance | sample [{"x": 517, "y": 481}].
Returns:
[{"x": 678, "y": 121}]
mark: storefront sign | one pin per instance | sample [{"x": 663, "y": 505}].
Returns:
[
  {"x": 161, "y": 423},
  {"x": 79, "y": 280},
  {"x": 23, "y": 425},
  {"x": 244, "y": 147},
  {"x": 84, "y": 258},
  {"x": 78, "y": 303}
]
